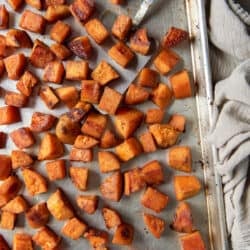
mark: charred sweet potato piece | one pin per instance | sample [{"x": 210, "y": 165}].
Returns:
[
  {"x": 9, "y": 115},
  {"x": 154, "y": 116},
  {"x": 7, "y": 220},
  {"x": 41, "y": 55},
  {"x": 192, "y": 241},
  {"x": 56, "y": 170},
  {"x": 3, "y": 139},
  {"x": 79, "y": 176},
  {"x": 22, "y": 137},
  {"x": 6, "y": 167},
  {"x": 162, "y": 96},
  {"x": 85, "y": 142},
  {"x": 139, "y": 42},
  {"x": 50, "y": 148},
  {"x": 104, "y": 73},
  {"x": 53, "y": 2},
  {"x": 87, "y": 203},
  {"x": 98, "y": 239},
  {"x": 18, "y": 39},
  {"x": 177, "y": 122},
  {"x": 61, "y": 51},
  {"x": 69, "y": 95},
  {"x": 108, "y": 139},
  {"x": 15, "y": 65},
  {"x": 154, "y": 224},
  {"x": 76, "y": 70},
  {"x": 84, "y": 155},
  {"x": 3, "y": 243},
  {"x": 82, "y": 107},
  {"x": 108, "y": 161},
  {"x": 41, "y": 122},
  {"x": 152, "y": 173},
  {"x": 37, "y": 4},
  {"x": 148, "y": 78},
  {"x": 53, "y": 72},
  {"x": 129, "y": 149},
  {"x": 16, "y": 206},
  {"x": 21, "y": 159},
  {"x": 22, "y": 241},
  {"x": 26, "y": 83},
  {"x": 110, "y": 100},
  {"x": 15, "y": 99},
  {"x": 111, "y": 218},
  {"x": 74, "y": 228},
  {"x": 3, "y": 46},
  {"x": 186, "y": 187},
  {"x": 4, "y": 17},
  {"x": 15, "y": 4},
  {"x": 81, "y": 47},
  {"x": 133, "y": 181},
  {"x": 164, "y": 134},
  {"x": 57, "y": 12},
  {"x": 48, "y": 96},
  {"x": 173, "y": 37},
  {"x": 112, "y": 187},
  {"x": 154, "y": 199},
  {"x": 124, "y": 235},
  {"x": 122, "y": 26},
  {"x": 91, "y": 91},
  {"x": 136, "y": 95},
  {"x": 147, "y": 142},
  {"x": 2, "y": 67},
  {"x": 32, "y": 21}
]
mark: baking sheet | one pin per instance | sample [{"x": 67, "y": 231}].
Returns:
[{"x": 163, "y": 15}]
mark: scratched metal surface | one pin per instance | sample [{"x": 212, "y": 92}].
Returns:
[{"x": 163, "y": 15}]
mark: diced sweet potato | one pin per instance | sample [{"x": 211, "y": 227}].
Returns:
[
  {"x": 164, "y": 134},
  {"x": 104, "y": 73},
  {"x": 87, "y": 203},
  {"x": 127, "y": 120},
  {"x": 108, "y": 161},
  {"x": 154, "y": 224},
  {"x": 147, "y": 141},
  {"x": 116, "y": 1},
  {"x": 4, "y": 17},
  {"x": 41, "y": 55},
  {"x": 26, "y": 83},
  {"x": 34, "y": 182},
  {"x": 37, "y": 4},
  {"x": 46, "y": 238},
  {"x": 53, "y": 72},
  {"x": 192, "y": 241},
  {"x": 121, "y": 54},
  {"x": 77, "y": 114},
  {"x": 112, "y": 187},
  {"x": 76, "y": 70},
  {"x": 162, "y": 96},
  {"x": 22, "y": 137},
  {"x": 69, "y": 95},
  {"x": 3, "y": 46},
  {"x": 56, "y": 170},
  {"x": 74, "y": 228},
  {"x": 15, "y": 99},
  {"x": 108, "y": 139},
  {"x": 16, "y": 206},
  {"x": 84, "y": 155},
  {"x": 3, "y": 139},
  {"x": 15, "y": 4},
  {"x": 110, "y": 100},
  {"x": 83, "y": 107},
  {"x": 81, "y": 47},
  {"x": 50, "y": 148},
  {"x": 9, "y": 115},
  {"x": 186, "y": 187},
  {"x": 111, "y": 218},
  {"x": 32, "y": 21},
  {"x": 148, "y": 78},
  {"x": 6, "y": 167},
  {"x": 136, "y": 95},
  {"x": 7, "y": 221},
  {"x": 21, "y": 159},
  {"x": 177, "y": 122},
  {"x": 53, "y": 2},
  {"x": 79, "y": 176},
  {"x": 38, "y": 215},
  {"x": 57, "y": 12},
  {"x": 166, "y": 61},
  {"x": 2, "y": 67},
  {"x": 98, "y": 239},
  {"x": 139, "y": 42},
  {"x": 154, "y": 116},
  {"x": 122, "y": 26},
  {"x": 152, "y": 173},
  {"x": 3, "y": 243},
  {"x": 173, "y": 37},
  {"x": 22, "y": 241},
  {"x": 154, "y": 199},
  {"x": 48, "y": 96},
  {"x": 124, "y": 235},
  {"x": 41, "y": 122},
  {"x": 91, "y": 91},
  {"x": 181, "y": 84},
  {"x": 129, "y": 149},
  {"x": 18, "y": 39},
  {"x": 61, "y": 51},
  {"x": 15, "y": 65},
  {"x": 133, "y": 181},
  {"x": 85, "y": 142}
]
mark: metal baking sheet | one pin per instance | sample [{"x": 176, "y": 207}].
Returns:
[{"x": 207, "y": 207}]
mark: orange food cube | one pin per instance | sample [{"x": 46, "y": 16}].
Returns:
[
  {"x": 76, "y": 70},
  {"x": 122, "y": 26},
  {"x": 3, "y": 243},
  {"x": 111, "y": 217},
  {"x": 124, "y": 235},
  {"x": 48, "y": 96},
  {"x": 173, "y": 37},
  {"x": 15, "y": 4},
  {"x": 85, "y": 142},
  {"x": 53, "y": 72},
  {"x": 154, "y": 224},
  {"x": 56, "y": 170},
  {"x": 4, "y": 17},
  {"x": 18, "y": 39},
  {"x": 57, "y": 12},
  {"x": 136, "y": 95},
  {"x": 37, "y": 4},
  {"x": 53, "y": 2},
  {"x": 117, "y": 1},
  {"x": 162, "y": 96},
  {"x": 147, "y": 141},
  {"x": 7, "y": 220},
  {"x": 61, "y": 51},
  {"x": 41, "y": 122},
  {"x": 108, "y": 139},
  {"x": 81, "y": 47},
  {"x": 3, "y": 139},
  {"x": 79, "y": 177},
  {"x": 9, "y": 115},
  {"x": 2, "y": 67},
  {"x": 154, "y": 116},
  {"x": 16, "y": 206},
  {"x": 152, "y": 173},
  {"x": 177, "y": 122},
  {"x": 148, "y": 78},
  {"x": 91, "y": 91},
  {"x": 22, "y": 241},
  {"x": 15, "y": 99},
  {"x": 87, "y": 203},
  {"x": 6, "y": 167},
  {"x": 69, "y": 95},
  {"x": 20, "y": 159},
  {"x": 97, "y": 239},
  {"x": 192, "y": 241},
  {"x": 108, "y": 161},
  {"x": 22, "y": 137},
  {"x": 84, "y": 155},
  {"x": 3, "y": 47}
]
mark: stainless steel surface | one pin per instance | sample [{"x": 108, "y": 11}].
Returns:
[{"x": 140, "y": 14}]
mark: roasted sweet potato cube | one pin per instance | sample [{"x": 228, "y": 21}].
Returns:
[
  {"x": 108, "y": 161},
  {"x": 37, "y": 4},
  {"x": 139, "y": 42},
  {"x": 83, "y": 106},
  {"x": 9, "y": 115},
  {"x": 57, "y": 12},
  {"x": 152, "y": 173},
  {"x": 111, "y": 218},
  {"x": 53, "y": 2},
  {"x": 61, "y": 51},
  {"x": 166, "y": 61},
  {"x": 15, "y": 65},
  {"x": 15, "y": 99},
  {"x": 18, "y": 39},
  {"x": 32, "y": 21},
  {"x": 68, "y": 95},
  {"x": 3, "y": 46},
  {"x": 164, "y": 134},
  {"x": 76, "y": 70},
  {"x": 26, "y": 83},
  {"x": 74, "y": 228},
  {"x": 3, "y": 243},
  {"x": 38, "y": 215},
  {"x": 3, "y": 139},
  {"x": 56, "y": 170},
  {"x": 60, "y": 31},
  {"x": 127, "y": 120},
  {"x": 6, "y": 167},
  {"x": 50, "y": 148},
  {"x": 84, "y": 155},
  {"x": 2, "y": 67},
  {"x": 129, "y": 149},
  {"x": 41, "y": 122},
  {"x": 173, "y": 37},
  {"x": 181, "y": 84},
  {"x": 186, "y": 186},
  {"x": 154, "y": 199},
  {"x": 116, "y": 1},
  {"x": 22, "y": 241},
  {"x": 154, "y": 224},
  {"x": 148, "y": 78},
  {"x": 79, "y": 176},
  {"x": 82, "y": 9},
  {"x": 46, "y": 238},
  {"x": 112, "y": 187},
  {"x": 4, "y": 17},
  {"x": 22, "y": 137},
  {"x": 110, "y": 100},
  {"x": 81, "y": 47},
  {"x": 108, "y": 139},
  {"x": 192, "y": 241},
  {"x": 98, "y": 239},
  {"x": 147, "y": 141},
  {"x": 85, "y": 142},
  {"x": 136, "y": 95},
  {"x": 87, "y": 203},
  {"x": 77, "y": 113},
  {"x": 48, "y": 96},
  {"x": 53, "y": 72},
  {"x": 124, "y": 235},
  {"x": 16, "y": 206},
  {"x": 162, "y": 95},
  {"x": 15, "y": 4},
  {"x": 122, "y": 26},
  {"x": 91, "y": 91},
  {"x": 133, "y": 181},
  {"x": 104, "y": 73},
  {"x": 154, "y": 116},
  {"x": 21, "y": 159},
  {"x": 7, "y": 220},
  {"x": 177, "y": 122},
  {"x": 121, "y": 54},
  {"x": 41, "y": 55}
]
